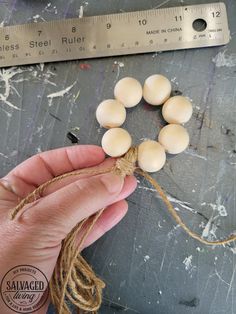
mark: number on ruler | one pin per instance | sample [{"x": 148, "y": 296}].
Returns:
[
  {"x": 39, "y": 33},
  {"x": 216, "y": 14},
  {"x": 7, "y": 37},
  {"x": 108, "y": 25},
  {"x": 142, "y": 22},
  {"x": 73, "y": 29},
  {"x": 178, "y": 18}
]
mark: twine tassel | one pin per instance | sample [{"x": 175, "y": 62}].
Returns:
[{"x": 73, "y": 279}]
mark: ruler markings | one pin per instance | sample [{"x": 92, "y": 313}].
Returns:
[{"x": 114, "y": 34}]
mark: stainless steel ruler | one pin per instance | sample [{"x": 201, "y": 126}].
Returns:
[{"x": 115, "y": 34}]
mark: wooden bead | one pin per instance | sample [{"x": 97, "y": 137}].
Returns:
[
  {"x": 177, "y": 109},
  {"x": 156, "y": 89},
  {"x": 111, "y": 113},
  {"x": 116, "y": 142},
  {"x": 174, "y": 138},
  {"x": 128, "y": 91},
  {"x": 151, "y": 156}
]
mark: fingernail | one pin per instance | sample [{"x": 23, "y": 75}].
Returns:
[
  {"x": 112, "y": 182},
  {"x": 6, "y": 184}
]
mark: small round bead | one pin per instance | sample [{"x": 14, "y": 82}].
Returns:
[
  {"x": 128, "y": 91},
  {"x": 116, "y": 142},
  {"x": 110, "y": 113},
  {"x": 151, "y": 156},
  {"x": 174, "y": 138},
  {"x": 177, "y": 109},
  {"x": 156, "y": 89}
]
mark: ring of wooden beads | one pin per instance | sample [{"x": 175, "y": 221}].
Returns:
[{"x": 128, "y": 92}]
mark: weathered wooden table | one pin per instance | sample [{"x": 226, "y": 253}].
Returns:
[{"x": 149, "y": 264}]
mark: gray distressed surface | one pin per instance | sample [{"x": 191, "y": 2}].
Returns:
[{"x": 150, "y": 265}]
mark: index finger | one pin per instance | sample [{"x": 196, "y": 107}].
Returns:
[{"x": 44, "y": 166}]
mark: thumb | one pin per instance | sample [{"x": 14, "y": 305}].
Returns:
[{"x": 63, "y": 209}]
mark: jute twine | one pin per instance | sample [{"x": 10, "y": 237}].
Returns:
[{"x": 73, "y": 279}]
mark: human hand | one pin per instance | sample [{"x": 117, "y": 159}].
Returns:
[{"x": 35, "y": 236}]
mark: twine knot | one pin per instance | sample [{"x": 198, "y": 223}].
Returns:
[{"x": 126, "y": 165}]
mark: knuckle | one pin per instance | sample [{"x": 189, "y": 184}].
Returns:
[{"x": 87, "y": 187}]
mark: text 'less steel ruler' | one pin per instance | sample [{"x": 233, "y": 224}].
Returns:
[{"x": 115, "y": 34}]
